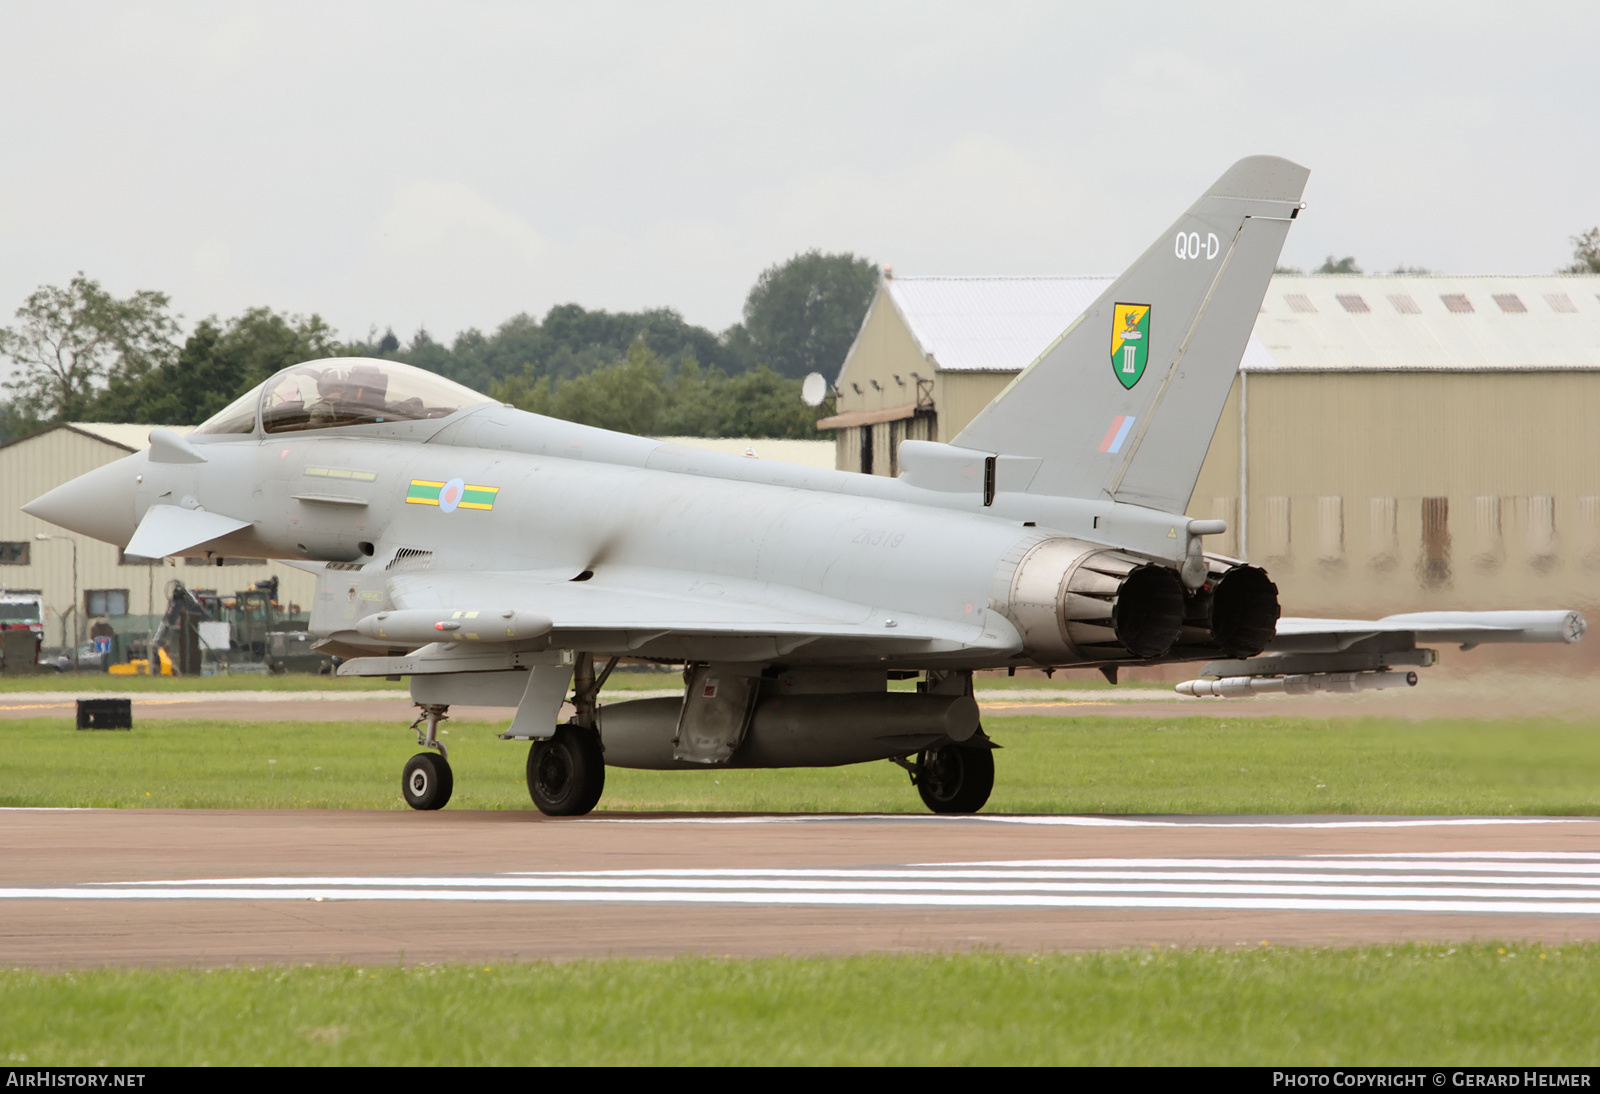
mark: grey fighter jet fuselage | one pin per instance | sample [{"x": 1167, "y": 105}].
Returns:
[{"x": 494, "y": 555}]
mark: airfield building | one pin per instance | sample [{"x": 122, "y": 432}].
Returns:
[{"x": 1391, "y": 443}]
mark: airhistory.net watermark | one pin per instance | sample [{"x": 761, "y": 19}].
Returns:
[{"x": 51, "y": 1078}]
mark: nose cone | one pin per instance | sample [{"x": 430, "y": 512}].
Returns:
[{"x": 98, "y": 504}]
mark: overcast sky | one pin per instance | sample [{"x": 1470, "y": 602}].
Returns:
[{"x": 451, "y": 164}]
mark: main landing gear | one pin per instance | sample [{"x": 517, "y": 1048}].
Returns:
[
  {"x": 428, "y": 782},
  {"x": 955, "y": 778},
  {"x": 567, "y": 772}
]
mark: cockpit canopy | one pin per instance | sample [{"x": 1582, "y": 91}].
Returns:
[{"x": 342, "y": 391}]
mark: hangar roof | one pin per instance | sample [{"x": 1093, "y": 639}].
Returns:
[
  {"x": 130, "y": 437},
  {"x": 133, "y": 437},
  {"x": 983, "y": 324},
  {"x": 1334, "y": 322},
  {"x": 1309, "y": 323}
]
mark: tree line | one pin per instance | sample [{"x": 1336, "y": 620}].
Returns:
[
  {"x": 78, "y": 353},
  {"x": 81, "y": 354}
]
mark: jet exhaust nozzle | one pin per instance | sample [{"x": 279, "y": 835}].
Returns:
[
  {"x": 1078, "y": 602},
  {"x": 1235, "y": 612}
]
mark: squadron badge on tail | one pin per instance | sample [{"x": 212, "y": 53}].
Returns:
[{"x": 1130, "y": 342}]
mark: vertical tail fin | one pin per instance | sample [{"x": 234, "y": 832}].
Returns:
[{"x": 1125, "y": 402}]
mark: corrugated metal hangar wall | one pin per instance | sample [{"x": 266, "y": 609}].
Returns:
[{"x": 1410, "y": 443}]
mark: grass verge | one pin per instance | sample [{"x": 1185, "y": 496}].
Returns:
[
  {"x": 1468, "y": 1005},
  {"x": 90, "y": 682},
  {"x": 1046, "y": 765}
]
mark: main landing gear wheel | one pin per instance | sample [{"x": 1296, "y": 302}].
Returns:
[
  {"x": 567, "y": 772},
  {"x": 427, "y": 782},
  {"x": 955, "y": 779}
]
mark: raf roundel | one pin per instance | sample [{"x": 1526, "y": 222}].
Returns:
[{"x": 452, "y": 495}]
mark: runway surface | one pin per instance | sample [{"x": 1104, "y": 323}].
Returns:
[{"x": 155, "y": 887}]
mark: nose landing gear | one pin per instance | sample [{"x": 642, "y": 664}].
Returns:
[{"x": 428, "y": 781}]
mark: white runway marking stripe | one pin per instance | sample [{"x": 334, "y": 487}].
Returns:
[
  {"x": 1471, "y": 883},
  {"x": 1590, "y": 865},
  {"x": 1070, "y": 821}
]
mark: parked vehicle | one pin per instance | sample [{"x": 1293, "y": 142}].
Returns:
[
  {"x": 91, "y": 658},
  {"x": 22, "y": 611}
]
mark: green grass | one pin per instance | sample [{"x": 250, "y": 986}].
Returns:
[
  {"x": 1469, "y": 1005},
  {"x": 90, "y": 682},
  {"x": 1050, "y": 765},
  {"x": 618, "y": 681}
]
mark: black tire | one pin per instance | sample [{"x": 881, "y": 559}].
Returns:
[
  {"x": 427, "y": 783},
  {"x": 567, "y": 772},
  {"x": 954, "y": 779}
]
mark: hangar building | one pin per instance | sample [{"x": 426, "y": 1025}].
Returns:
[{"x": 1391, "y": 443}]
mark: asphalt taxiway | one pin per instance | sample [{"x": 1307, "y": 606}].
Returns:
[{"x": 198, "y": 887}]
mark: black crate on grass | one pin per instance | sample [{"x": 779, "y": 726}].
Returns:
[{"x": 105, "y": 713}]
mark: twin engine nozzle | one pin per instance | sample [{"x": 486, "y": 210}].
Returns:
[{"x": 1079, "y": 602}]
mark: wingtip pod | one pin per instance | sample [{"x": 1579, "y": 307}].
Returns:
[
  {"x": 1262, "y": 178},
  {"x": 1562, "y": 625}
]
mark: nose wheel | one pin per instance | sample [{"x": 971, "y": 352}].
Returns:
[{"x": 427, "y": 782}]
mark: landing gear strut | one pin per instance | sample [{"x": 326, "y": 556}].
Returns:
[
  {"x": 567, "y": 772},
  {"x": 955, "y": 778},
  {"x": 428, "y": 781}
]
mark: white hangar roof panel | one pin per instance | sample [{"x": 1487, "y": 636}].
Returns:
[
  {"x": 1000, "y": 324},
  {"x": 1343, "y": 322},
  {"x": 1307, "y": 322},
  {"x": 990, "y": 324},
  {"x": 134, "y": 437}
]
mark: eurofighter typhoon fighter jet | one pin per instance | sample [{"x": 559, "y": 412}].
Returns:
[{"x": 502, "y": 558}]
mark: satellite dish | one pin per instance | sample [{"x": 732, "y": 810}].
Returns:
[{"x": 813, "y": 389}]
